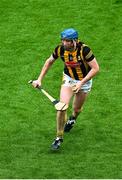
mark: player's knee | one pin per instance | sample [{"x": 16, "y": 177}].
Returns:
[{"x": 63, "y": 108}]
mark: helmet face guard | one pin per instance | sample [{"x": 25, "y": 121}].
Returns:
[{"x": 69, "y": 34}]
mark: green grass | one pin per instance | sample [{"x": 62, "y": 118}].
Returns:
[{"x": 29, "y": 31}]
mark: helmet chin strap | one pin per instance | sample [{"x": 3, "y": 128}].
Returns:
[{"x": 74, "y": 44}]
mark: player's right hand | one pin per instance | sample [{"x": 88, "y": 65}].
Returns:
[{"x": 36, "y": 83}]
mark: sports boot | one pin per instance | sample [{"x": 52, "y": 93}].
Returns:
[
  {"x": 56, "y": 144},
  {"x": 69, "y": 124}
]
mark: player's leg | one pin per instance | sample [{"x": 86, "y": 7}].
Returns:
[
  {"x": 65, "y": 96},
  {"x": 78, "y": 102}
]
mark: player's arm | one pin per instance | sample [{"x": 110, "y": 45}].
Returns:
[
  {"x": 46, "y": 67},
  {"x": 94, "y": 70},
  {"x": 92, "y": 62},
  {"x": 48, "y": 63}
]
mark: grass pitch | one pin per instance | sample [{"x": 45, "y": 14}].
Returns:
[{"x": 29, "y": 31}]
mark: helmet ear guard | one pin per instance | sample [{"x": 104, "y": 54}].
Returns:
[{"x": 69, "y": 34}]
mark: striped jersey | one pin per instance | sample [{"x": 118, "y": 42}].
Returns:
[{"x": 75, "y": 62}]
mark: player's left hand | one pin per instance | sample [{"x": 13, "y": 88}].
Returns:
[{"x": 76, "y": 88}]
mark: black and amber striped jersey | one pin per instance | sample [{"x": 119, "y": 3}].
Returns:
[{"x": 75, "y": 62}]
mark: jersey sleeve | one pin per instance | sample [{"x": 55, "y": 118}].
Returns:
[
  {"x": 88, "y": 54},
  {"x": 56, "y": 52}
]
